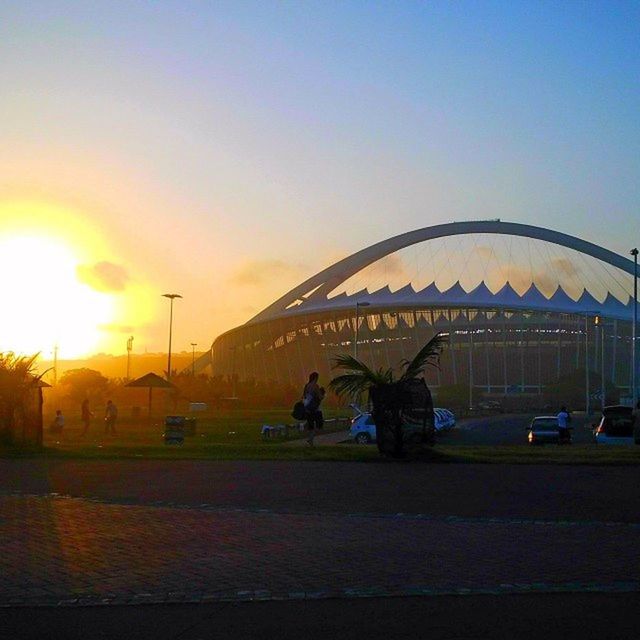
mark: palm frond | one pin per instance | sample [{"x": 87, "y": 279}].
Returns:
[
  {"x": 360, "y": 378},
  {"x": 428, "y": 355}
]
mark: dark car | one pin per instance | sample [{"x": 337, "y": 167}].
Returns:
[
  {"x": 543, "y": 430},
  {"x": 616, "y": 426}
]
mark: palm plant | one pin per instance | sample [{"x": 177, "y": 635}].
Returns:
[
  {"x": 18, "y": 387},
  {"x": 394, "y": 401}
]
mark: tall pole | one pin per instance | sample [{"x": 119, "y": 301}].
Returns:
[
  {"x": 586, "y": 363},
  {"x": 172, "y": 297},
  {"x": 602, "y": 385},
  {"x": 634, "y": 335},
  {"x": 193, "y": 359},
  {"x": 55, "y": 365},
  {"x": 470, "y": 370},
  {"x": 129, "y": 348},
  {"x": 355, "y": 343}
]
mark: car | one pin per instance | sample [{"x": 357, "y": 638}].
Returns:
[
  {"x": 444, "y": 419},
  {"x": 490, "y": 406},
  {"x": 616, "y": 426},
  {"x": 543, "y": 430},
  {"x": 363, "y": 428}
]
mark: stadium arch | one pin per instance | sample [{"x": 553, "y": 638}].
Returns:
[{"x": 500, "y": 341}]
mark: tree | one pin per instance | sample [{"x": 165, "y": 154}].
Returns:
[
  {"x": 396, "y": 403},
  {"x": 84, "y": 383},
  {"x": 19, "y": 394}
]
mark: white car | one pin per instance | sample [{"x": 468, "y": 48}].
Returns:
[{"x": 363, "y": 428}]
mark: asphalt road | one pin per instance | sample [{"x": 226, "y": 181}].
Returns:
[{"x": 504, "y": 430}]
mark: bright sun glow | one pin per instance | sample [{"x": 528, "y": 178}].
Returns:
[{"x": 44, "y": 304}]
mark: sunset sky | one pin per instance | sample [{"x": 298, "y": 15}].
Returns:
[{"x": 228, "y": 150}]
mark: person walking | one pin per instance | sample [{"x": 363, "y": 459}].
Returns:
[
  {"x": 110, "y": 417},
  {"x": 312, "y": 395},
  {"x": 564, "y": 435},
  {"x": 85, "y": 416}
]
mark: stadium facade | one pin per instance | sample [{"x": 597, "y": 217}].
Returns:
[{"x": 500, "y": 341}]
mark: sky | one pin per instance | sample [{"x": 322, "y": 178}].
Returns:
[{"x": 226, "y": 151}]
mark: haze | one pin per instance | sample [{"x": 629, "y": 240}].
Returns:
[{"x": 227, "y": 151}]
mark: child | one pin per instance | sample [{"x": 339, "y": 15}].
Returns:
[{"x": 58, "y": 423}]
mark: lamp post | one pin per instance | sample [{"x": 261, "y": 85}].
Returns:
[
  {"x": 129, "y": 348},
  {"x": 193, "y": 359},
  {"x": 355, "y": 344},
  {"x": 600, "y": 339},
  {"x": 470, "y": 370},
  {"x": 634, "y": 335},
  {"x": 587, "y": 409},
  {"x": 172, "y": 297}
]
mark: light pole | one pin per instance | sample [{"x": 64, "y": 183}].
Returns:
[
  {"x": 193, "y": 359},
  {"x": 587, "y": 409},
  {"x": 129, "y": 348},
  {"x": 586, "y": 363},
  {"x": 600, "y": 338},
  {"x": 355, "y": 344},
  {"x": 634, "y": 335},
  {"x": 172, "y": 297},
  {"x": 470, "y": 370}
]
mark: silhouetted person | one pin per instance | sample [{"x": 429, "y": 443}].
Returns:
[
  {"x": 86, "y": 415},
  {"x": 312, "y": 395},
  {"x": 58, "y": 423},
  {"x": 110, "y": 417},
  {"x": 564, "y": 418}
]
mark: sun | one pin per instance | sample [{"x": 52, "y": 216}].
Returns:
[{"x": 44, "y": 304}]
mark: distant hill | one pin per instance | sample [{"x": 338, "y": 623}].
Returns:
[{"x": 116, "y": 366}]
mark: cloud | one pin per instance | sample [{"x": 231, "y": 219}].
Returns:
[
  {"x": 565, "y": 267},
  {"x": 394, "y": 266},
  {"x": 483, "y": 251},
  {"x": 256, "y": 273},
  {"x": 103, "y": 276}
]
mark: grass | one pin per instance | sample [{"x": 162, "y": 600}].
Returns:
[{"x": 236, "y": 435}]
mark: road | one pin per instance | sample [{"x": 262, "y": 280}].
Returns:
[
  {"x": 505, "y": 429},
  {"x": 199, "y": 549}
]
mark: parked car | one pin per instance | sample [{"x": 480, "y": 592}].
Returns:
[
  {"x": 543, "y": 430},
  {"x": 444, "y": 419},
  {"x": 615, "y": 426},
  {"x": 493, "y": 406},
  {"x": 363, "y": 428}
]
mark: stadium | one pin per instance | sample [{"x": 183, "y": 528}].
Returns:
[{"x": 522, "y": 306}]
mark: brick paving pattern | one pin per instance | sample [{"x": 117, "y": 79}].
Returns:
[{"x": 82, "y": 551}]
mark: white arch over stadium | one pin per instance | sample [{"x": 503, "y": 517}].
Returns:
[{"x": 320, "y": 285}]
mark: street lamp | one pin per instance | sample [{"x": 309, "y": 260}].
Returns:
[
  {"x": 600, "y": 336},
  {"x": 193, "y": 359},
  {"x": 587, "y": 409},
  {"x": 129, "y": 348},
  {"x": 172, "y": 297},
  {"x": 634, "y": 335},
  {"x": 355, "y": 344}
]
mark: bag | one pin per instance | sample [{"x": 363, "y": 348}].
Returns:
[{"x": 299, "y": 412}]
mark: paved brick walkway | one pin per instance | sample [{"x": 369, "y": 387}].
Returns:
[{"x": 81, "y": 551}]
